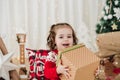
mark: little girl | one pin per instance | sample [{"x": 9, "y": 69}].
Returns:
[{"x": 60, "y": 37}]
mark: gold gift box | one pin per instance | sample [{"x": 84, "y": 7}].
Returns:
[
  {"x": 108, "y": 43},
  {"x": 81, "y": 61}
]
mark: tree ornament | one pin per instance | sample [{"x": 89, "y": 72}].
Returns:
[
  {"x": 117, "y": 13},
  {"x": 107, "y": 9},
  {"x": 105, "y": 17},
  {"x": 104, "y": 27},
  {"x": 116, "y": 2},
  {"x": 6, "y": 65},
  {"x": 114, "y": 27},
  {"x": 110, "y": 5},
  {"x": 117, "y": 60},
  {"x": 100, "y": 73},
  {"x": 110, "y": 16}
]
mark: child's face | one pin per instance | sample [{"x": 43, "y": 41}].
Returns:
[{"x": 63, "y": 38}]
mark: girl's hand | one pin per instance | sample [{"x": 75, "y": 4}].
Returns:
[{"x": 63, "y": 70}]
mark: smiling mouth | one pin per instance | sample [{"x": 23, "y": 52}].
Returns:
[{"x": 65, "y": 45}]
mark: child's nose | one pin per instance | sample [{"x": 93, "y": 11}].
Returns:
[{"x": 66, "y": 39}]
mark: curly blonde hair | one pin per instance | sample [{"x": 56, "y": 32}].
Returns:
[{"x": 52, "y": 33}]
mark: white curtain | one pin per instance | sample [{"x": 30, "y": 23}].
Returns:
[{"x": 34, "y": 18}]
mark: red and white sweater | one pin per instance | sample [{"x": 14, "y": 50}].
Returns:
[
  {"x": 50, "y": 66},
  {"x": 42, "y": 64}
]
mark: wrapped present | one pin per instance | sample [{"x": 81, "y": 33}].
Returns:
[
  {"x": 81, "y": 62},
  {"x": 108, "y": 43}
]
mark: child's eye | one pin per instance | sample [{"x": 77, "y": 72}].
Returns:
[
  {"x": 69, "y": 36},
  {"x": 61, "y": 37}
]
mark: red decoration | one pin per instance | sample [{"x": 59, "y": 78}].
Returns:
[{"x": 116, "y": 70}]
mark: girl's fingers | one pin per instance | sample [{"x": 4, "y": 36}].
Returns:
[
  {"x": 67, "y": 70},
  {"x": 67, "y": 75}
]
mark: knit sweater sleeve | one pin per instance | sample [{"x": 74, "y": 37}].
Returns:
[
  {"x": 50, "y": 70},
  {"x": 50, "y": 66}
]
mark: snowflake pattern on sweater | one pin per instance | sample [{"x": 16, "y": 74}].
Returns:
[{"x": 37, "y": 59}]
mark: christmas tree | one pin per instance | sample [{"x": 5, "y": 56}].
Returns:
[
  {"x": 110, "y": 21},
  {"x": 109, "y": 68}
]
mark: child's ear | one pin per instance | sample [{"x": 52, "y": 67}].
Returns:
[{"x": 3, "y": 47}]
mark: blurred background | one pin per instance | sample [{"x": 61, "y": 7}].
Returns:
[{"x": 34, "y": 18}]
